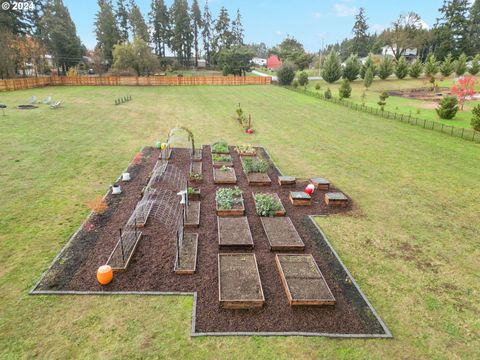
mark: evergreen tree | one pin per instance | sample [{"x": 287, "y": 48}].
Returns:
[
  {"x": 474, "y": 68},
  {"x": 223, "y": 36},
  {"x": 332, "y": 69},
  {"x": 207, "y": 31},
  {"x": 182, "y": 34},
  {"x": 237, "y": 30},
  {"x": 135, "y": 56},
  {"x": 401, "y": 69},
  {"x": 159, "y": 23},
  {"x": 137, "y": 23},
  {"x": 122, "y": 19},
  {"x": 474, "y": 20},
  {"x": 106, "y": 29},
  {"x": 452, "y": 30},
  {"x": 196, "y": 25},
  {"x": 431, "y": 66},
  {"x": 352, "y": 68},
  {"x": 359, "y": 44},
  {"x": 385, "y": 69},
  {"x": 369, "y": 64},
  {"x": 59, "y": 34},
  {"x": 416, "y": 69},
  {"x": 461, "y": 65},
  {"x": 447, "y": 67},
  {"x": 345, "y": 89},
  {"x": 475, "y": 122},
  {"x": 368, "y": 79}
]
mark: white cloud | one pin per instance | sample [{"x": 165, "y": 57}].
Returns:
[
  {"x": 317, "y": 14},
  {"x": 278, "y": 32},
  {"x": 378, "y": 28},
  {"x": 343, "y": 10},
  {"x": 424, "y": 25}
]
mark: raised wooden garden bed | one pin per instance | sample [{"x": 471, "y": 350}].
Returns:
[
  {"x": 246, "y": 150},
  {"x": 197, "y": 155},
  {"x": 193, "y": 215},
  {"x": 258, "y": 179},
  {"x": 224, "y": 176},
  {"x": 186, "y": 259},
  {"x": 196, "y": 174},
  {"x": 303, "y": 281},
  {"x": 120, "y": 258},
  {"x": 280, "y": 212},
  {"x": 281, "y": 234},
  {"x": 194, "y": 194},
  {"x": 237, "y": 209},
  {"x": 320, "y": 183},
  {"x": 300, "y": 198},
  {"x": 287, "y": 180},
  {"x": 219, "y": 151},
  {"x": 234, "y": 232},
  {"x": 239, "y": 285},
  {"x": 227, "y": 161},
  {"x": 336, "y": 199}
]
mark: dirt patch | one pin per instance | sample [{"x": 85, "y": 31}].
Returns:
[
  {"x": 234, "y": 232},
  {"x": 224, "y": 175},
  {"x": 187, "y": 255},
  {"x": 281, "y": 234},
  {"x": 427, "y": 94}
]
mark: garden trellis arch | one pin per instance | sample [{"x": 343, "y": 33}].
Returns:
[{"x": 181, "y": 137}]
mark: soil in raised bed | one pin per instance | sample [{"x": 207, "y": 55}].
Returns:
[
  {"x": 193, "y": 214},
  {"x": 187, "y": 255},
  {"x": 281, "y": 234},
  {"x": 152, "y": 263},
  {"x": 224, "y": 177},
  {"x": 234, "y": 232},
  {"x": 303, "y": 280},
  {"x": 239, "y": 280}
]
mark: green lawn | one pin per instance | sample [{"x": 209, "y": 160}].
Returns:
[
  {"x": 417, "y": 108},
  {"x": 412, "y": 244}
]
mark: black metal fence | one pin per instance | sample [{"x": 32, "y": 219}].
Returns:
[{"x": 464, "y": 133}]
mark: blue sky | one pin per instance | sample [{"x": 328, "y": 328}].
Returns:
[{"x": 310, "y": 21}]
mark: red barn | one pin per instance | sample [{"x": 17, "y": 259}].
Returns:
[{"x": 273, "y": 62}]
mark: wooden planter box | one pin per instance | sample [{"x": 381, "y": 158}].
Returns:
[
  {"x": 281, "y": 212},
  {"x": 186, "y": 259},
  {"x": 243, "y": 153},
  {"x": 300, "y": 198},
  {"x": 320, "y": 183},
  {"x": 224, "y": 177},
  {"x": 287, "y": 180},
  {"x": 303, "y": 281},
  {"x": 234, "y": 232},
  {"x": 239, "y": 284},
  {"x": 197, "y": 156},
  {"x": 281, "y": 234},
  {"x": 196, "y": 167},
  {"x": 219, "y": 152},
  {"x": 193, "y": 215},
  {"x": 222, "y": 163},
  {"x": 236, "y": 210},
  {"x": 336, "y": 199},
  {"x": 195, "y": 195},
  {"x": 258, "y": 179}
]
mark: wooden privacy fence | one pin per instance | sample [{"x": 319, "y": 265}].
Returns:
[{"x": 27, "y": 83}]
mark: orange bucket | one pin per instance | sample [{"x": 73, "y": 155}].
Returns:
[{"x": 104, "y": 274}]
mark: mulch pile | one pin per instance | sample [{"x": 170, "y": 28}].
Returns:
[{"x": 152, "y": 265}]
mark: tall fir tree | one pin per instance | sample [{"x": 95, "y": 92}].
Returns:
[
  {"x": 160, "y": 25},
  {"x": 237, "y": 29},
  {"x": 196, "y": 16},
  {"x": 474, "y": 19},
  {"x": 137, "y": 23},
  {"x": 207, "y": 24},
  {"x": 223, "y": 36},
  {"x": 122, "y": 20},
  {"x": 452, "y": 29},
  {"x": 182, "y": 35},
  {"x": 59, "y": 34},
  {"x": 106, "y": 29},
  {"x": 359, "y": 43}
]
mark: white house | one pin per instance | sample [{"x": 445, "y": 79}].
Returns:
[
  {"x": 259, "y": 61},
  {"x": 409, "y": 53}
]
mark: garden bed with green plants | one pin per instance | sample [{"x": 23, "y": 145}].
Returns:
[
  {"x": 229, "y": 202},
  {"x": 220, "y": 147},
  {"x": 224, "y": 175},
  {"x": 246, "y": 150},
  {"x": 268, "y": 204},
  {"x": 220, "y": 160},
  {"x": 255, "y": 170}
]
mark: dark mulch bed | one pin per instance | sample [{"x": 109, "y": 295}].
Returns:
[{"x": 152, "y": 265}]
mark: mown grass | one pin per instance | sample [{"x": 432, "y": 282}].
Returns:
[
  {"x": 412, "y": 244},
  {"x": 414, "y": 107}
]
